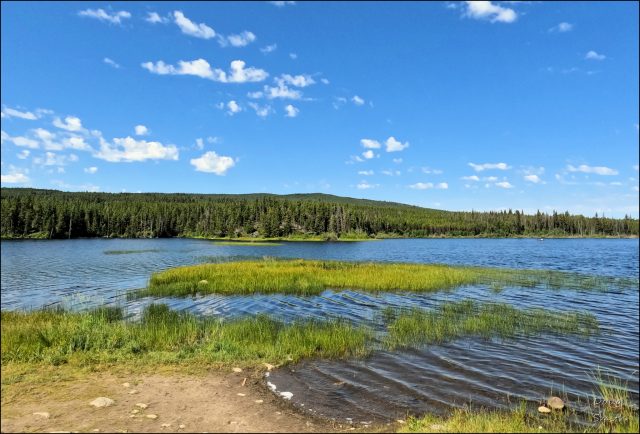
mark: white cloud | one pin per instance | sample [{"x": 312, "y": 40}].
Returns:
[
  {"x": 262, "y": 111},
  {"x": 233, "y": 107},
  {"x": 533, "y": 178},
  {"x": 364, "y": 185},
  {"x": 281, "y": 91},
  {"x": 365, "y": 172},
  {"x": 24, "y": 154},
  {"x": 75, "y": 142},
  {"x": 199, "y": 144},
  {"x": 90, "y": 170},
  {"x": 357, "y": 100},
  {"x": 368, "y": 154},
  {"x": 20, "y": 141},
  {"x": 294, "y": 56},
  {"x": 141, "y": 130},
  {"x": 190, "y": 28},
  {"x": 201, "y": 68},
  {"x": 129, "y": 150},
  {"x": 302, "y": 80},
  {"x": 397, "y": 160},
  {"x": 269, "y": 48},
  {"x": 53, "y": 159},
  {"x": 111, "y": 62},
  {"x": 325, "y": 81},
  {"x": 489, "y": 166},
  {"x": 210, "y": 162},
  {"x": 486, "y": 10},
  {"x": 471, "y": 178},
  {"x": 429, "y": 185},
  {"x": 391, "y": 172},
  {"x": 430, "y": 171},
  {"x": 282, "y": 3},
  {"x": 592, "y": 55},
  {"x": 102, "y": 15},
  {"x": 9, "y": 112},
  {"x": 292, "y": 112},
  {"x": 370, "y": 144},
  {"x": 562, "y": 27},
  {"x": 504, "y": 184},
  {"x": 154, "y": 18},
  {"x": 71, "y": 123},
  {"x": 15, "y": 176},
  {"x": 598, "y": 170},
  {"x": 393, "y": 145},
  {"x": 241, "y": 40}
]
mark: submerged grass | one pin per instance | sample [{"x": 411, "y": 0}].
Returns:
[
  {"x": 453, "y": 320},
  {"x": 311, "y": 277}
]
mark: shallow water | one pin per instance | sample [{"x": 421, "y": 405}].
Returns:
[{"x": 386, "y": 386}]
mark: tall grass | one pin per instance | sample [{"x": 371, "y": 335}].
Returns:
[
  {"x": 311, "y": 277},
  {"x": 486, "y": 320}
]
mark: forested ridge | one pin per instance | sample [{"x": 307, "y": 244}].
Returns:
[{"x": 34, "y": 213}]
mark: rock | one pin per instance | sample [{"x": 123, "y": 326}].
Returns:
[
  {"x": 135, "y": 411},
  {"x": 237, "y": 370},
  {"x": 181, "y": 426},
  {"x": 543, "y": 409},
  {"x": 42, "y": 414},
  {"x": 286, "y": 395},
  {"x": 102, "y": 402},
  {"x": 555, "y": 403},
  {"x": 241, "y": 394},
  {"x": 165, "y": 425},
  {"x": 258, "y": 401},
  {"x": 152, "y": 416},
  {"x": 141, "y": 405},
  {"x": 400, "y": 421},
  {"x": 125, "y": 385},
  {"x": 133, "y": 392}
]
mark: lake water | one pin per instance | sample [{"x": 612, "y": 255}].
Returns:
[{"x": 385, "y": 386}]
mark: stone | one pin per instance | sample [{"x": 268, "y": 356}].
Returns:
[
  {"x": 241, "y": 394},
  {"x": 43, "y": 414},
  {"x": 181, "y": 426},
  {"x": 237, "y": 370},
  {"x": 126, "y": 384},
  {"x": 555, "y": 403},
  {"x": 152, "y": 416},
  {"x": 142, "y": 405},
  {"x": 133, "y": 392},
  {"x": 258, "y": 401},
  {"x": 102, "y": 401},
  {"x": 286, "y": 395},
  {"x": 165, "y": 425},
  {"x": 543, "y": 409},
  {"x": 135, "y": 411}
]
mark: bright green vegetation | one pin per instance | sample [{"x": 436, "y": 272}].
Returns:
[
  {"x": 128, "y": 252},
  {"x": 454, "y": 320},
  {"x": 246, "y": 243},
  {"x": 33, "y": 213},
  {"x": 165, "y": 336},
  {"x": 311, "y": 277}
]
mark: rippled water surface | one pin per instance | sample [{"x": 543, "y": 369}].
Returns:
[{"x": 385, "y": 386}]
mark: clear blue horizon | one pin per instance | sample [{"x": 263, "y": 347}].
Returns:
[{"x": 448, "y": 105}]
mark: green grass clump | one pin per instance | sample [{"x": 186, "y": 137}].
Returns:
[
  {"x": 129, "y": 252},
  {"x": 486, "y": 320},
  {"x": 162, "y": 335},
  {"x": 311, "y": 277},
  {"x": 246, "y": 243}
]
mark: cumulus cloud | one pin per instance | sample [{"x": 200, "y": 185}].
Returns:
[
  {"x": 269, "y": 49},
  {"x": 129, "y": 150},
  {"x": 365, "y": 172},
  {"x": 9, "y": 112},
  {"x": 261, "y": 111},
  {"x": 291, "y": 111},
  {"x": 357, "y": 100},
  {"x": 592, "y": 55},
  {"x": 141, "y": 130},
  {"x": 233, "y": 108},
  {"x": 397, "y": 160},
  {"x": 302, "y": 80},
  {"x": 283, "y": 3},
  {"x": 53, "y": 159},
  {"x": 597, "y": 170},
  {"x": 190, "y": 28},
  {"x": 281, "y": 91},
  {"x": 489, "y": 166},
  {"x": 562, "y": 27},
  {"x": 24, "y": 154},
  {"x": 201, "y": 68},
  {"x": 429, "y": 186},
  {"x": 471, "y": 178},
  {"x": 241, "y": 40},
  {"x": 90, "y": 170},
  {"x": 486, "y": 10},
  {"x": 210, "y": 162},
  {"x": 71, "y": 123},
  {"x": 111, "y": 62},
  {"x": 368, "y": 154},
  {"x": 370, "y": 144},
  {"x": 155, "y": 18},
  {"x": 393, "y": 145},
  {"x": 504, "y": 184},
  {"x": 20, "y": 141},
  {"x": 430, "y": 171},
  {"x": 533, "y": 178},
  {"x": 102, "y": 15},
  {"x": 15, "y": 176},
  {"x": 364, "y": 185}
]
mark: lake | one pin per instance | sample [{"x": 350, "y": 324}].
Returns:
[{"x": 388, "y": 385}]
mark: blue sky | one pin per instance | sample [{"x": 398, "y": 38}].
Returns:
[{"x": 460, "y": 106}]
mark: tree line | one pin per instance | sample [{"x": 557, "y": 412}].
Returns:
[{"x": 34, "y": 213}]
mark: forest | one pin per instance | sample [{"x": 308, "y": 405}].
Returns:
[{"x": 52, "y": 214}]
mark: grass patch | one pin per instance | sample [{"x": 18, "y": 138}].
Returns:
[
  {"x": 129, "y": 252},
  {"x": 453, "y": 320},
  {"x": 311, "y": 277},
  {"x": 246, "y": 243}
]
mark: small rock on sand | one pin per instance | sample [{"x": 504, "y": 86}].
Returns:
[
  {"x": 181, "y": 426},
  {"x": 142, "y": 405},
  {"x": 125, "y": 385},
  {"x": 43, "y": 414},
  {"x": 543, "y": 409},
  {"x": 102, "y": 402},
  {"x": 555, "y": 403},
  {"x": 237, "y": 370},
  {"x": 259, "y": 401},
  {"x": 286, "y": 395},
  {"x": 241, "y": 394},
  {"x": 165, "y": 425},
  {"x": 133, "y": 392},
  {"x": 152, "y": 416}
]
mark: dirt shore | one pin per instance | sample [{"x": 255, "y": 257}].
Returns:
[{"x": 214, "y": 401}]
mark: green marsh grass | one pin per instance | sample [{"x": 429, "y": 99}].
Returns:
[
  {"x": 129, "y": 252},
  {"x": 246, "y": 243},
  {"x": 312, "y": 277}
]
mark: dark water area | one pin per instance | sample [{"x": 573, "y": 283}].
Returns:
[{"x": 387, "y": 385}]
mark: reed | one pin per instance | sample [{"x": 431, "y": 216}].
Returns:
[{"x": 312, "y": 277}]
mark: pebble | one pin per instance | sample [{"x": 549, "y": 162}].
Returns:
[
  {"x": 102, "y": 402},
  {"x": 181, "y": 426},
  {"x": 165, "y": 425},
  {"x": 241, "y": 394},
  {"x": 133, "y": 392},
  {"x": 237, "y": 370},
  {"x": 259, "y": 401},
  {"x": 152, "y": 416},
  {"x": 43, "y": 414},
  {"x": 135, "y": 411},
  {"x": 286, "y": 395},
  {"x": 543, "y": 409},
  {"x": 125, "y": 385},
  {"x": 142, "y": 405},
  {"x": 555, "y": 403}
]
